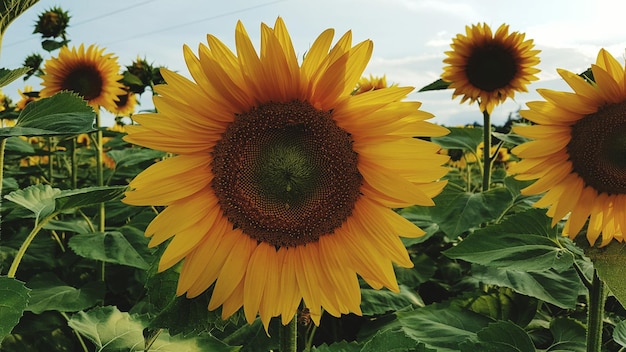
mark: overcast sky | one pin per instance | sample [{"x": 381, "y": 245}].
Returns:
[{"x": 410, "y": 36}]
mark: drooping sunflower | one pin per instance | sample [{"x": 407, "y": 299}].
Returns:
[
  {"x": 490, "y": 68},
  {"x": 283, "y": 183},
  {"x": 578, "y": 154},
  {"x": 91, "y": 73}
]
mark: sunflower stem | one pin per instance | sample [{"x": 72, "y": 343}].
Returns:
[
  {"x": 100, "y": 181},
  {"x": 287, "y": 336},
  {"x": 595, "y": 314},
  {"x": 39, "y": 224},
  {"x": 487, "y": 159},
  {"x": 74, "y": 164},
  {"x": 3, "y": 143}
]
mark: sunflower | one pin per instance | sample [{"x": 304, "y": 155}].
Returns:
[
  {"x": 26, "y": 98},
  {"x": 372, "y": 82},
  {"x": 459, "y": 158},
  {"x": 126, "y": 103},
  {"x": 90, "y": 73},
  {"x": 284, "y": 178},
  {"x": 490, "y": 68},
  {"x": 578, "y": 152}
]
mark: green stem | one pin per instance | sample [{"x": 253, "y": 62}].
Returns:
[
  {"x": 50, "y": 160},
  {"x": 487, "y": 159},
  {"x": 287, "y": 336},
  {"x": 31, "y": 236},
  {"x": 74, "y": 164},
  {"x": 100, "y": 181},
  {"x": 80, "y": 338},
  {"x": 595, "y": 314},
  {"x": 3, "y": 143}
]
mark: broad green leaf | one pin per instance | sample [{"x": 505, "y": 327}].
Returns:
[
  {"x": 569, "y": 335},
  {"x": 458, "y": 211},
  {"x": 81, "y": 197},
  {"x": 342, "y": 346},
  {"x": 501, "y": 303},
  {"x": 37, "y": 198},
  {"x": 14, "y": 296},
  {"x": 522, "y": 242},
  {"x": 50, "y": 45},
  {"x": 609, "y": 261},
  {"x": 511, "y": 138},
  {"x": 7, "y": 76},
  {"x": 133, "y": 156},
  {"x": 619, "y": 333},
  {"x": 253, "y": 336},
  {"x": 464, "y": 138},
  {"x": 375, "y": 302},
  {"x": 501, "y": 336},
  {"x": 50, "y": 293},
  {"x": 111, "y": 247},
  {"x": 558, "y": 288},
  {"x": 64, "y": 113},
  {"x": 69, "y": 225},
  {"x": 111, "y": 330},
  {"x": 424, "y": 268},
  {"x": 441, "y": 327},
  {"x": 16, "y": 145},
  {"x": 10, "y": 10},
  {"x": 439, "y": 84},
  {"x": 394, "y": 340}
]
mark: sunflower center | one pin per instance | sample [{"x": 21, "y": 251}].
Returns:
[
  {"x": 286, "y": 174},
  {"x": 597, "y": 149},
  {"x": 86, "y": 81},
  {"x": 491, "y": 67}
]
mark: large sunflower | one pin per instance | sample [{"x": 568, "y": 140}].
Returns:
[
  {"x": 490, "y": 68},
  {"x": 90, "y": 73},
  {"x": 283, "y": 183},
  {"x": 579, "y": 151}
]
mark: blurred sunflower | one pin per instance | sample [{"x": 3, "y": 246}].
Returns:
[
  {"x": 366, "y": 84},
  {"x": 501, "y": 157},
  {"x": 578, "y": 154},
  {"x": 490, "y": 68},
  {"x": 284, "y": 178},
  {"x": 126, "y": 103},
  {"x": 26, "y": 99},
  {"x": 90, "y": 73},
  {"x": 459, "y": 158}
]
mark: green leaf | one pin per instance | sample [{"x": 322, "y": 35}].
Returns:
[
  {"x": 7, "y": 76},
  {"x": 81, "y": 197},
  {"x": 436, "y": 85},
  {"x": 14, "y": 296},
  {"x": 50, "y": 293},
  {"x": 558, "y": 288},
  {"x": 37, "y": 198},
  {"x": 619, "y": 333},
  {"x": 50, "y": 45},
  {"x": 511, "y": 138},
  {"x": 10, "y": 10},
  {"x": 501, "y": 336},
  {"x": 458, "y": 211},
  {"x": 111, "y": 330},
  {"x": 569, "y": 335},
  {"x": 441, "y": 327},
  {"x": 16, "y": 145},
  {"x": 522, "y": 242},
  {"x": 133, "y": 156},
  {"x": 501, "y": 303},
  {"x": 110, "y": 247},
  {"x": 609, "y": 261},
  {"x": 64, "y": 113},
  {"x": 375, "y": 302},
  {"x": 394, "y": 340},
  {"x": 342, "y": 346},
  {"x": 464, "y": 138}
]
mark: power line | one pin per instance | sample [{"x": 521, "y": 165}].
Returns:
[{"x": 141, "y": 35}]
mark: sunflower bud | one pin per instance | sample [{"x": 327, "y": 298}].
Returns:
[{"x": 52, "y": 23}]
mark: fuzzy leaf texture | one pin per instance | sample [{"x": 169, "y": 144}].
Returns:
[
  {"x": 7, "y": 76},
  {"x": 111, "y": 331},
  {"x": 14, "y": 296},
  {"x": 50, "y": 293},
  {"x": 61, "y": 114}
]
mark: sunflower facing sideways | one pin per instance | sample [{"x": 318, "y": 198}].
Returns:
[
  {"x": 489, "y": 68},
  {"x": 578, "y": 154},
  {"x": 89, "y": 73},
  {"x": 284, "y": 179}
]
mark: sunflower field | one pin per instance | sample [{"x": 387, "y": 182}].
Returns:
[{"x": 271, "y": 202}]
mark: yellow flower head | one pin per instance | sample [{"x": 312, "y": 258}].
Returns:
[
  {"x": 26, "y": 99},
  {"x": 90, "y": 73},
  {"x": 126, "y": 104},
  {"x": 578, "y": 152},
  {"x": 490, "y": 68},
  {"x": 284, "y": 179},
  {"x": 366, "y": 84}
]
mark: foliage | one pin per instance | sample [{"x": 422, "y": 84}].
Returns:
[{"x": 490, "y": 274}]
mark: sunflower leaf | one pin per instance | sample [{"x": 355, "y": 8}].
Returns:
[
  {"x": 342, "y": 346},
  {"x": 609, "y": 261},
  {"x": 7, "y": 76},
  {"x": 64, "y": 113},
  {"x": 37, "y": 198},
  {"x": 50, "y": 293},
  {"x": 439, "y": 84},
  {"x": 522, "y": 242},
  {"x": 393, "y": 340},
  {"x": 501, "y": 336},
  {"x": 10, "y": 10},
  {"x": 111, "y": 330},
  {"x": 569, "y": 335},
  {"x": 374, "y": 302},
  {"x": 14, "y": 297},
  {"x": 111, "y": 247},
  {"x": 463, "y": 138}
]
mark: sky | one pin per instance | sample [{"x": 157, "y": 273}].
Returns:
[{"x": 410, "y": 36}]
